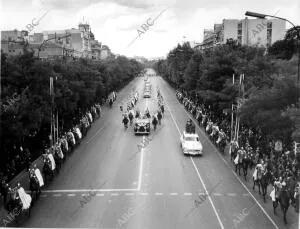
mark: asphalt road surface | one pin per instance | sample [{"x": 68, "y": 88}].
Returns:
[{"x": 111, "y": 181}]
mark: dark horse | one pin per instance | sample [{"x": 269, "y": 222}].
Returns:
[
  {"x": 245, "y": 165},
  {"x": 110, "y": 102},
  {"x": 264, "y": 182},
  {"x": 34, "y": 185},
  {"x": 283, "y": 197},
  {"x": 14, "y": 207},
  {"x": 47, "y": 170},
  {"x": 257, "y": 181}
]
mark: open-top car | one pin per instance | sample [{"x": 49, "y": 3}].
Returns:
[
  {"x": 191, "y": 144},
  {"x": 142, "y": 126},
  {"x": 147, "y": 94}
]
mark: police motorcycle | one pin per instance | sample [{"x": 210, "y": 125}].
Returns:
[
  {"x": 125, "y": 121},
  {"x": 154, "y": 122}
]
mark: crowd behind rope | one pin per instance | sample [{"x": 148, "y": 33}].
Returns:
[
  {"x": 52, "y": 160},
  {"x": 251, "y": 151}
]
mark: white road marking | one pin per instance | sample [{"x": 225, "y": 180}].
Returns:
[
  {"x": 187, "y": 194},
  {"x": 114, "y": 194},
  {"x": 173, "y": 194},
  {"x": 85, "y": 194},
  {"x": 100, "y": 194},
  {"x": 158, "y": 194},
  {"x": 246, "y": 194},
  {"x": 199, "y": 176},
  {"x": 56, "y": 195},
  {"x": 144, "y": 193},
  {"x": 129, "y": 194},
  {"x": 203, "y": 133},
  {"x": 231, "y": 194},
  {"x": 71, "y": 195},
  {"x": 90, "y": 190},
  {"x": 217, "y": 194},
  {"x": 141, "y": 168}
]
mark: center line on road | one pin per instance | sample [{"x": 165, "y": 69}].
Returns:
[
  {"x": 71, "y": 195},
  {"x": 114, "y": 194},
  {"x": 144, "y": 193},
  {"x": 158, "y": 194},
  {"x": 174, "y": 194},
  {"x": 231, "y": 194},
  {"x": 141, "y": 167},
  {"x": 56, "y": 195},
  {"x": 188, "y": 194},
  {"x": 91, "y": 190},
  {"x": 217, "y": 194},
  {"x": 129, "y": 194},
  {"x": 100, "y": 194}
]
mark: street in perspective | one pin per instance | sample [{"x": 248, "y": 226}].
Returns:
[{"x": 150, "y": 114}]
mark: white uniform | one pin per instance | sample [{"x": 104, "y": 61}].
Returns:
[{"x": 25, "y": 198}]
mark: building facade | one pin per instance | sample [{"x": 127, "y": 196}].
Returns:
[
  {"x": 251, "y": 32},
  {"x": 70, "y": 42}
]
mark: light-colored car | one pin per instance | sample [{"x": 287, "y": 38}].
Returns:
[{"x": 191, "y": 144}]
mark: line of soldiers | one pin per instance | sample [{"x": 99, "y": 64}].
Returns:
[
  {"x": 216, "y": 132},
  {"x": 52, "y": 160},
  {"x": 284, "y": 168}
]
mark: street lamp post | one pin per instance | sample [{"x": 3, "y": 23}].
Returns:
[{"x": 263, "y": 16}]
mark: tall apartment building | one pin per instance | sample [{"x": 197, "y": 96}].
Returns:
[{"x": 252, "y": 32}]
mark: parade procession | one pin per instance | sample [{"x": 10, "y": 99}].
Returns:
[
  {"x": 150, "y": 114},
  {"x": 281, "y": 173}
]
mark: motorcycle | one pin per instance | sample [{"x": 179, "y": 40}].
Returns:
[
  {"x": 125, "y": 121},
  {"x": 154, "y": 122}
]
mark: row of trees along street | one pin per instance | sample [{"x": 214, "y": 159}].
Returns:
[
  {"x": 26, "y": 101},
  {"x": 270, "y": 87}
]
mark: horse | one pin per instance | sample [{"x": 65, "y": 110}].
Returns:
[
  {"x": 15, "y": 207},
  {"x": 239, "y": 163},
  {"x": 34, "y": 185},
  {"x": 58, "y": 161},
  {"x": 264, "y": 182},
  {"x": 47, "y": 170},
  {"x": 233, "y": 153},
  {"x": 283, "y": 197},
  {"x": 256, "y": 181},
  {"x": 245, "y": 165}
]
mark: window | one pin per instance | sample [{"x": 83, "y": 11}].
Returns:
[
  {"x": 239, "y": 32},
  {"x": 269, "y": 34}
]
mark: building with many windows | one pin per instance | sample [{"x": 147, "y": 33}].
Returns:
[
  {"x": 252, "y": 32},
  {"x": 55, "y": 43}
]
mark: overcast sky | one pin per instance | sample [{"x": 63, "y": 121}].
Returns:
[{"x": 116, "y": 22}]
